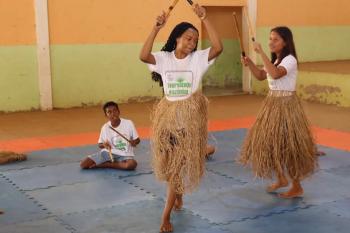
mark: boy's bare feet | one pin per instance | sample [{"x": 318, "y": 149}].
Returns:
[
  {"x": 166, "y": 226},
  {"x": 178, "y": 202},
  {"x": 279, "y": 184},
  {"x": 295, "y": 191}
]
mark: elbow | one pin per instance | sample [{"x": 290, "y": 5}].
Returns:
[
  {"x": 260, "y": 78},
  {"x": 218, "y": 50},
  {"x": 143, "y": 58},
  {"x": 275, "y": 76}
]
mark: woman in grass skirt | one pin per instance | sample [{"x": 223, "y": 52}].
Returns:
[
  {"x": 179, "y": 120},
  {"x": 280, "y": 141}
]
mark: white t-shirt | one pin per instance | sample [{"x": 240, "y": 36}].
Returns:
[
  {"x": 287, "y": 82},
  {"x": 119, "y": 145},
  {"x": 181, "y": 77}
]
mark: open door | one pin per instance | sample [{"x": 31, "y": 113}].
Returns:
[{"x": 225, "y": 76}]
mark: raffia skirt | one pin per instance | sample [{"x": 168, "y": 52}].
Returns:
[
  {"x": 280, "y": 139},
  {"x": 178, "y": 141},
  {"x": 9, "y": 157}
]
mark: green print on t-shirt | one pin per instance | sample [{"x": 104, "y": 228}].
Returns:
[
  {"x": 180, "y": 87},
  {"x": 121, "y": 145}
]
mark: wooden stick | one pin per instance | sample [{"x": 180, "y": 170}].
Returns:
[
  {"x": 236, "y": 27},
  {"x": 110, "y": 155},
  {"x": 170, "y": 9},
  {"x": 249, "y": 24},
  {"x": 190, "y": 2},
  {"x": 121, "y": 135}
]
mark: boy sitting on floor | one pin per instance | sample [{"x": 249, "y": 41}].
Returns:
[{"x": 113, "y": 144}]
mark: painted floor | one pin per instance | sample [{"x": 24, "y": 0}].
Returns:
[{"x": 50, "y": 193}]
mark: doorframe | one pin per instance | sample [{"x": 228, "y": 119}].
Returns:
[
  {"x": 43, "y": 54},
  {"x": 249, "y": 6}
]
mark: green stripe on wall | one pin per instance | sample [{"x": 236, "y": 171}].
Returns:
[
  {"x": 19, "y": 86},
  {"x": 84, "y": 75},
  {"x": 328, "y": 88},
  {"x": 227, "y": 69},
  {"x": 326, "y": 43},
  {"x": 321, "y": 87}
]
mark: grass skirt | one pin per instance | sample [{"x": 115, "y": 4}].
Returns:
[
  {"x": 179, "y": 139},
  {"x": 280, "y": 139},
  {"x": 8, "y": 157}
]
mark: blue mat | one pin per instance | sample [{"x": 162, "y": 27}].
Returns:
[
  {"x": 340, "y": 208},
  {"x": 51, "y": 157},
  {"x": 86, "y": 196},
  {"x": 237, "y": 203},
  {"x": 232, "y": 170},
  {"x": 50, "y": 193},
  {"x": 227, "y": 144},
  {"x": 325, "y": 187},
  {"x": 37, "y": 226},
  {"x": 313, "y": 219},
  {"x": 142, "y": 216},
  {"x": 17, "y": 205},
  {"x": 41, "y": 177},
  {"x": 220, "y": 199},
  {"x": 334, "y": 158}
]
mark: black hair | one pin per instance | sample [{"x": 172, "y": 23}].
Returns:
[
  {"x": 109, "y": 104},
  {"x": 289, "y": 48},
  {"x": 170, "y": 45}
]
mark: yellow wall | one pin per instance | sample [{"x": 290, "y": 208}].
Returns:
[
  {"x": 303, "y": 12},
  {"x": 17, "y": 22},
  {"x": 18, "y": 59},
  {"x": 111, "y": 21},
  {"x": 321, "y": 31},
  {"x": 94, "y": 44}
]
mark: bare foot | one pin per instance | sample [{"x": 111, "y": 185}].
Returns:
[
  {"x": 277, "y": 185},
  {"x": 178, "y": 202},
  {"x": 166, "y": 226},
  {"x": 1, "y": 212},
  {"x": 295, "y": 191},
  {"x": 209, "y": 152},
  {"x": 320, "y": 153}
]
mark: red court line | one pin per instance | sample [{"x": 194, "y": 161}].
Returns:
[
  {"x": 332, "y": 138},
  {"x": 326, "y": 137}
]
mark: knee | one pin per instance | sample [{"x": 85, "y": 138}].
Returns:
[
  {"x": 131, "y": 164},
  {"x": 83, "y": 165}
]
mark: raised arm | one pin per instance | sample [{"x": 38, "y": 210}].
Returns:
[
  {"x": 146, "y": 51},
  {"x": 275, "y": 72},
  {"x": 216, "y": 44},
  {"x": 259, "y": 74}
]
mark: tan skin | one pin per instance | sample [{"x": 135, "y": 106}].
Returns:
[
  {"x": 112, "y": 113},
  {"x": 185, "y": 45},
  {"x": 276, "y": 44}
]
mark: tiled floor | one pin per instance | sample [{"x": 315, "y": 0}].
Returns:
[{"x": 50, "y": 193}]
